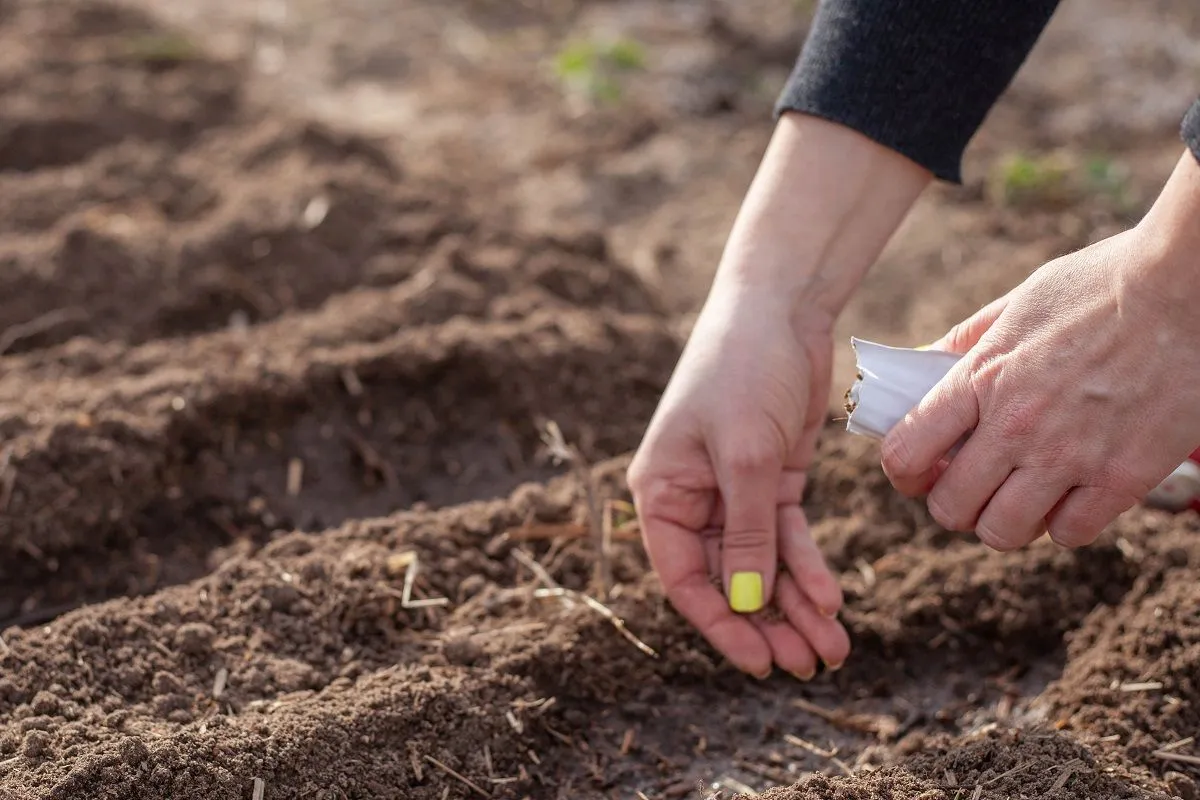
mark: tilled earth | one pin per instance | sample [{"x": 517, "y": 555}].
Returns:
[{"x": 274, "y": 405}]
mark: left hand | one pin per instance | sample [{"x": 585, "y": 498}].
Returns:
[{"x": 1080, "y": 391}]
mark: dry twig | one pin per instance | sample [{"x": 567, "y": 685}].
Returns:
[
  {"x": 465, "y": 780},
  {"x": 42, "y": 324},
  {"x": 539, "y": 572},
  {"x": 8, "y": 477},
  {"x": 1008, "y": 774},
  {"x": 1147, "y": 686},
  {"x": 829, "y": 755},
  {"x": 569, "y": 530},
  {"x": 1182, "y": 758},
  {"x": 603, "y": 611},
  {"x": 372, "y": 460},
  {"x": 350, "y": 380},
  {"x": 410, "y": 579},
  {"x": 738, "y": 786},
  {"x": 1176, "y": 745},
  {"x": 856, "y": 723},
  {"x": 553, "y": 438},
  {"x": 260, "y": 788},
  {"x": 1068, "y": 769},
  {"x": 295, "y": 477}
]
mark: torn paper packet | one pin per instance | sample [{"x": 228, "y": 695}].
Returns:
[{"x": 890, "y": 382}]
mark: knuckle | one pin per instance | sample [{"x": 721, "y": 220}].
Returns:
[
  {"x": 1125, "y": 476},
  {"x": 748, "y": 460},
  {"x": 1019, "y": 421},
  {"x": 1072, "y": 533},
  {"x": 746, "y": 539},
  {"x": 895, "y": 454},
  {"x": 635, "y": 476},
  {"x": 949, "y": 518},
  {"x": 998, "y": 538}
]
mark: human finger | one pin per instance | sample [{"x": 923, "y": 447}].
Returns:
[
  {"x": 806, "y": 563},
  {"x": 1016, "y": 515},
  {"x": 749, "y": 481},
  {"x": 968, "y": 482},
  {"x": 827, "y": 637},
  {"x": 791, "y": 491},
  {"x": 792, "y": 653},
  {"x": 1084, "y": 513},
  {"x": 912, "y": 449},
  {"x": 677, "y": 554},
  {"x": 966, "y": 334}
]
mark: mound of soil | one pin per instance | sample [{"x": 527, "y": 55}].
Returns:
[{"x": 275, "y": 501}]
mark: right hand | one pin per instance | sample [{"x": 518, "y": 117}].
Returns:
[{"x": 718, "y": 479}]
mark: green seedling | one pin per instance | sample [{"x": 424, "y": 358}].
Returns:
[
  {"x": 161, "y": 49},
  {"x": 594, "y": 70},
  {"x": 1030, "y": 180},
  {"x": 1110, "y": 178}
]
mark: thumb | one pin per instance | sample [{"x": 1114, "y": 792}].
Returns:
[
  {"x": 749, "y": 488},
  {"x": 966, "y": 334}
]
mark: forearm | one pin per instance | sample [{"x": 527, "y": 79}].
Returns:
[{"x": 821, "y": 208}]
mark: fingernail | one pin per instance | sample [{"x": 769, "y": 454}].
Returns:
[
  {"x": 834, "y": 667},
  {"x": 764, "y": 675},
  {"x": 827, "y": 614},
  {"x": 805, "y": 677},
  {"x": 746, "y": 592},
  {"x": 922, "y": 347}
]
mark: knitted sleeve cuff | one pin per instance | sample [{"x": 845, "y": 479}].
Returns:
[
  {"x": 1189, "y": 131},
  {"x": 918, "y": 77}
]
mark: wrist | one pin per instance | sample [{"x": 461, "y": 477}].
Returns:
[
  {"x": 822, "y": 206},
  {"x": 1169, "y": 234}
]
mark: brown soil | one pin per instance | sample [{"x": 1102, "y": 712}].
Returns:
[{"x": 263, "y": 352}]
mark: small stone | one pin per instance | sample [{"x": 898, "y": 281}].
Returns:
[
  {"x": 195, "y": 638},
  {"x": 462, "y": 651}
]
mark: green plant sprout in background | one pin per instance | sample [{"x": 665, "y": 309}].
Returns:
[
  {"x": 1060, "y": 178},
  {"x": 1110, "y": 178},
  {"x": 1022, "y": 179},
  {"x": 161, "y": 49},
  {"x": 595, "y": 69}
]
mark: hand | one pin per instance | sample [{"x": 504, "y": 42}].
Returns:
[
  {"x": 1079, "y": 391},
  {"x": 718, "y": 479}
]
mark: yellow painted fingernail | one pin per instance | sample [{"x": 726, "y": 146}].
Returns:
[
  {"x": 923, "y": 347},
  {"x": 746, "y": 592}
]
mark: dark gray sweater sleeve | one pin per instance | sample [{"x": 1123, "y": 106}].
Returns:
[{"x": 920, "y": 76}]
